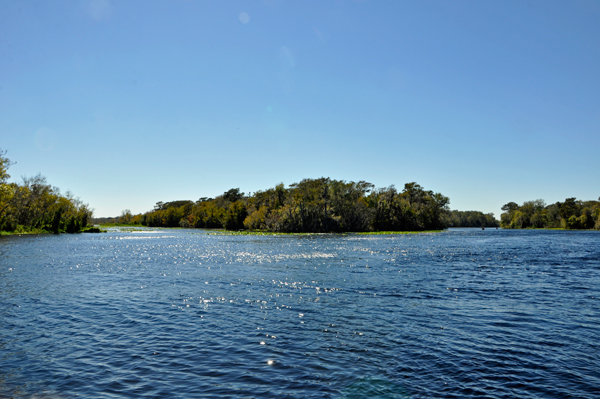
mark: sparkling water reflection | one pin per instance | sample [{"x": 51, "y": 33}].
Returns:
[{"x": 183, "y": 313}]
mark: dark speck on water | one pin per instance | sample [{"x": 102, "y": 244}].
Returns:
[{"x": 460, "y": 314}]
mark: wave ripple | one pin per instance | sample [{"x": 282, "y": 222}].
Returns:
[{"x": 464, "y": 313}]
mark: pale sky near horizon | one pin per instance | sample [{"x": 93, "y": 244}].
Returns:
[{"x": 127, "y": 103}]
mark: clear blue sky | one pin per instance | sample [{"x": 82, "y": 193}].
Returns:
[{"x": 127, "y": 103}]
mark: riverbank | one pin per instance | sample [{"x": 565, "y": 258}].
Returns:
[
  {"x": 272, "y": 233},
  {"x": 20, "y": 232}
]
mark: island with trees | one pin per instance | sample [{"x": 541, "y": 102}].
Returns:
[
  {"x": 470, "y": 219},
  {"x": 310, "y": 206}
]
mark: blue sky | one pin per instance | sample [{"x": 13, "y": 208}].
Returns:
[{"x": 127, "y": 103}]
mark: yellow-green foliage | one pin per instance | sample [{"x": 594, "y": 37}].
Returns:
[
  {"x": 570, "y": 214},
  {"x": 257, "y": 219},
  {"x": 36, "y": 206},
  {"x": 312, "y": 205}
]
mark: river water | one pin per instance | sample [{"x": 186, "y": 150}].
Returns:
[{"x": 186, "y": 313}]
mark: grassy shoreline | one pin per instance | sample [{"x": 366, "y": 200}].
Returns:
[
  {"x": 93, "y": 229},
  {"x": 105, "y": 225},
  {"x": 22, "y": 232},
  {"x": 272, "y": 233}
]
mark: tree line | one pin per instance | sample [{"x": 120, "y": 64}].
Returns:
[
  {"x": 310, "y": 206},
  {"x": 35, "y": 206},
  {"x": 470, "y": 219},
  {"x": 570, "y": 214}
]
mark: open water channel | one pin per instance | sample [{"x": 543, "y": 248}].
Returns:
[{"x": 185, "y": 313}]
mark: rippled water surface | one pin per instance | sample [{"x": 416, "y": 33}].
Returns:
[{"x": 182, "y": 313}]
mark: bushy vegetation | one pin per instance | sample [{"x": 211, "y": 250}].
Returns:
[
  {"x": 34, "y": 206},
  {"x": 470, "y": 219},
  {"x": 93, "y": 230},
  {"x": 570, "y": 214},
  {"x": 310, "y": 206}
]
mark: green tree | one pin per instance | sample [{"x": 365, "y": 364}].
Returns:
[
  {"x": 56, "y": 221},
  {"x": 233, "y": 195},
  {"x": 569, "y": 208},
  {"x": 125, "y": 217},
  {"x": 233, "y": 218}
]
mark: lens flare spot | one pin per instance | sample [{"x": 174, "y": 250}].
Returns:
[{"x": 244, "y": 18}]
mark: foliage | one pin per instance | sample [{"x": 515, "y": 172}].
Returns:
[
  {"x": 36, "y": 206},
  {"x": 570, "y": 214},
  {"x": 93, "y": 230},
  {"x": 470, "y": 219},
  {"x": 309, "y": 206}
]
